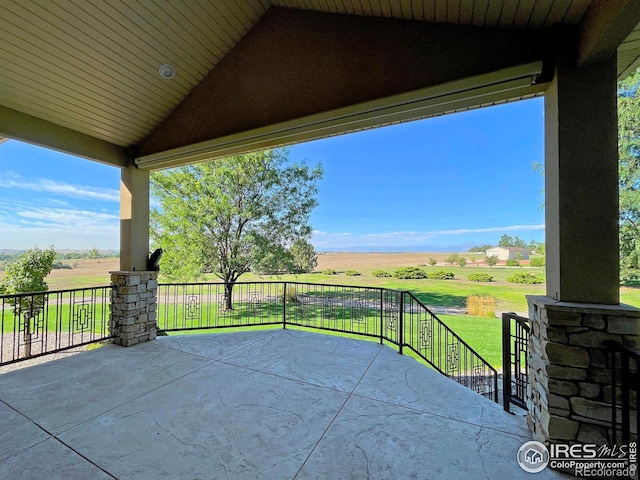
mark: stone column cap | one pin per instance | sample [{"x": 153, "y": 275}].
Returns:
[
  {"x": 131, "y": 272},
  {"x": 619, "y": 310}
]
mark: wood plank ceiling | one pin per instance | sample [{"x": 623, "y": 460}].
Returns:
[{"x": 92, "y": 65}]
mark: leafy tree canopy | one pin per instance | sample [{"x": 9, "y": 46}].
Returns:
[
  {"x": 629, "y": 176},
  {"x": 27, "y": 273},
  {"x": 509, "y": 241},
  {"x": 232, "y": 215},
  {"x": 304, "y": 256}
]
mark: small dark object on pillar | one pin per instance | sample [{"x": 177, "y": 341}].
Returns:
[{"x": 154, "y": 260}]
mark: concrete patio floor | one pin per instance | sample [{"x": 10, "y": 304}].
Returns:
[{"x": 267, "y": 404}]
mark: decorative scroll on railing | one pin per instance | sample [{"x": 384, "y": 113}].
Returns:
[
  {"x": 625, "y": 382},
  {"x": 387, "y": 315},
  {"x": 515, "y": 337},
  {"x": 35, "y": 324}
]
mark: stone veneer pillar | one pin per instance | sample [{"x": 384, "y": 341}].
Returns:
[
  {"x": 133, "y": 307},
  {"x": 570, "y": 393}
]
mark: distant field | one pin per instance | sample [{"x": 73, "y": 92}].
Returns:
[{"x": 448, "y": 293}]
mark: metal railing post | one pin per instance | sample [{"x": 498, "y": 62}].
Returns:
[
  {"x": 381, "y": 315},
  {"x": 401, "y": 322},
  {"x": 284, "y": 306},
  {"x": 506, "y": 362}
]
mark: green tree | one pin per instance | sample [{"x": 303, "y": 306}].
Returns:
[
  {"x": 506, "y": 241},
  {"x": 509, "y": 241},
  {"x": 304, "y": 256},
  {"x": 541, "y": 249},
  {"x": 629, "y": 176},
  {"x": 94, "y": 253},
  {"x": 452, "y": 258},
  {"x": 462, "y": 262},
  {"x": 27, "y": 274},
  {"x": 492, "y": 260},
  {"x": 231, "y": 215}
]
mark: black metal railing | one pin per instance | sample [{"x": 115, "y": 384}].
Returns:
[
  {"x": 35, "y": 324},
  {"x": 427, "y": 336},
  {"x": 625, "y": 383},
  {"x": 515, "y": 376},
  {"x": 387, "y": 315}
]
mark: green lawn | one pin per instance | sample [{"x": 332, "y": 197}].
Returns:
[
  {"x": 484, "y": 335},
  {"x": 445, "y": 293}
]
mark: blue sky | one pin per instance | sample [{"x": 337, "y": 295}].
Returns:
[{"x": 445, "y": 183}]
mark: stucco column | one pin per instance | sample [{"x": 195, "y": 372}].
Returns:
[
  {"x": 581, "y": 179},
  {"x": 134, "y": 219}
]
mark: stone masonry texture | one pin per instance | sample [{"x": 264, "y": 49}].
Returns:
[
  {"x": 133, "y": 307},
  {"x": 570, "y": 392}
]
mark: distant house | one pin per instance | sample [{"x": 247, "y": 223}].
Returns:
[{"x": 509, "y": 253}]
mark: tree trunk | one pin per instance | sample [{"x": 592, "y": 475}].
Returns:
[{"x": 228, "y": 299}]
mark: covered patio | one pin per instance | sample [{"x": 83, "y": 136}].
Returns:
[
  {"x": 148, "y": 85},
  {"x": 268, "y": 404}
]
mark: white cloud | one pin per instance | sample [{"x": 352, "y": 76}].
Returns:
[
  {"x": 63, "y": 228},
  {"x": 12, "y": 180}
]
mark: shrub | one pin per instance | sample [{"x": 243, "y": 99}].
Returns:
[
  {"x": 329, "y": 271},
  {"x": 290, "y": 295},
  {"x": 481, "y": 306},
  {"x": 528, "y": 278},
  {"x": 433, "y": 262},
  {"x": 352, "y": 273},
  {"x": 462, "y": 261},
  {"x": 513, "y": 263},
  {"x": 480, "y": 277},
  {"x": 491, "y": 260},
  {"x": 409, "y": 273},
  {"x": 440, "y": 275},
  {"x": 380, "y": 273},
  {"x": 538, "y": 262}
]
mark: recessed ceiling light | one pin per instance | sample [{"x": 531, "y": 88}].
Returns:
[{"x": 167, "y": 72}]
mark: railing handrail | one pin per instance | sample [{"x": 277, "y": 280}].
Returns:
[
  {"x": 52, "y": 321},
  {"x": 48, "y": 292},
  {"x": 288, "y": 282},
  {"x": 524, "y": 321},
  {"x": 454, "y": 334}
]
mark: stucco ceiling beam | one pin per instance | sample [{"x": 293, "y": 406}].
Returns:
[
  {"x": 604, "y": 26},
  {"x": 20, "y": 126}
]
